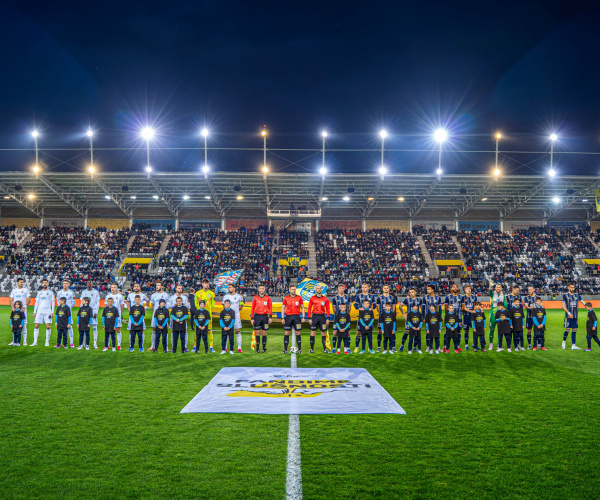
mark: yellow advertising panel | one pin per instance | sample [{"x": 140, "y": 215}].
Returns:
[
  {"x": 293, "y": 261},
  {"x": 450, "y": 263}
]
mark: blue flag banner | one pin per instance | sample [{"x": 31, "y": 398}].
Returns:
[
  {"x": 223, "y": 280},
  {"x": 306, "y": 289}
]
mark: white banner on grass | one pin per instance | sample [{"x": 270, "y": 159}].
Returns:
[{"x": 293, "y": 391}]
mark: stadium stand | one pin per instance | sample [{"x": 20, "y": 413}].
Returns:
[
  {"x": 10, "y": 239},
  {"x": 440, "y": 245},
  {"x": 378, "y": 256},
  {"x": 147, "y": 241},
  {"x": 193, "y": 255},
  {"x": 293, "y": 243},
  {"x": 74, "y": 253}
]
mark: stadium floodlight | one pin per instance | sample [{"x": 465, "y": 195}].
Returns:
[
  {"x": 7, "y": 197},
  {"x": 107, "y": 197},
  {"x": 585, "y": 200},
  {"x": 551, "y": 172},
  {"x": 556, "y": 199},
  {"x": 440, "y": 135},
  {"x": 31, "y": 196},
  {"x": 370, "y": 198},
  {"x": 324, "y": 198},
  {"x": 147, "y": 133},
  {"x": 91, "y": 169},
  {"x": 323, "y": 171},
  {"x": 240, "y": 197},
  {"x": 265, "y": 169},
  {"x": 324, "y": 134},
  {"x": 155, "y": 196},
  {"x": 204, "y": 132},
  {"x": 36, "y": 169},
  {"x": 35, "y": 134},
  {"x": 383, "y": 133},
  {"x": 207, "y": 197},
  {"x": 400, "y": 198},
  {"x": 498, "y": 136},
  {"x": 186, "y": 197},
  {"x": 90, "y": 133},
  {"x": 346, "y": 198},
  {"x": 264, "y": 133},
  {"x": 205, "y": 169},
  {"x": 133, "y": 197},
  {"x": 553, "y": 137},
  {"x": 439, "y": 171},
  {"x": 382, "y": 170},
  {"x": 483, "y": 199},
  {"x": 148, "y": 169},
  {"x": 496, "y": 172}
]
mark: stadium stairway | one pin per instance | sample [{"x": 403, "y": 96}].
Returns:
[
  {"x": 434, "y": 271},
  {"x": 312, "y": 257},
  {"x": 163, "y": 246},
  {"x": 579, "y": 264},
  {"x": 460, "y": 251},
  {"x": 593, "y": 243},
  {"x": 130, "y": 242},
  {"x": 274, "y": 252}
]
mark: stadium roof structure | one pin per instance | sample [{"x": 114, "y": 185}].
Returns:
[{"x": 332, "y": 196}]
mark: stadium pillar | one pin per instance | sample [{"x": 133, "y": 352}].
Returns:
[
  {"x": 130, "y": 223},
  {"x": 456, "y": 224},
  {"x": 222, "y": 224},
  {"x": 364, "y": 224},
  {"x": 316, "y": 225},
  {"x": 177, "y": 224},
  {"x": 502, "y": 224},
  {"x": 410, "y": 225}
]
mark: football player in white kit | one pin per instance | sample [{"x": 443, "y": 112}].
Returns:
[
  {"x": 237, "y": 303},
  {"x": 131, "y": 302},
  {"x": 119, "y": 303},
  {"x": 155, "y": 298},
  {"x": 43, "y": 311},
  {"x": 22, "y": 295},
  {"x": 91, "y": 293},
  {"x": 69, "y": 296},
  {"x": 172, "y": 302}
]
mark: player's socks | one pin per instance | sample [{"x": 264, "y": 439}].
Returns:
[
  {"x": 573, "y": 337},
  {"x": 357, "y": 340},
  {"x": 299, "y": 341},
  {"x": 239, "y": 340},
  {"x": 379, "y": 337},
  {"x": 404, "y": 337},
  {"x": 119, "y": 339},
  {"x": 312, "y": 343},
  {"x": 529, "y": 339},
  {"x": 71, "y": 335},
  {"x": 565, "y": 335},
  {"x": 48, "y": 334},
  {"x": 286, "y": 342},
  {"x": 264, "y": 342},
  {"x": 95, "y": 335},
  {"x": 25, "y": 336},
  {"x": 323, "y": 341}
]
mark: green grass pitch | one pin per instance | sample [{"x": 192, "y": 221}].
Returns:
[{"x": 77, "y": 424}]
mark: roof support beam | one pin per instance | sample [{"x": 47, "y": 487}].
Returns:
[
  {"x": 470, "y": 200},
  {"x": 416, "y": 208},
  {"x": 23, "y": 200},
  {"x": 372, "y": 204},
  {"x": 166, "y": 198},
  {"x": 568, "y": 200},
  {"x": 117, "y": 199},
  {"x": 69, "y": 199},
  {"x": 510, "y": 208},
  {"x": 214, "y": 199}
]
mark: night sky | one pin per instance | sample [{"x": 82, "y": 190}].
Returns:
[{"x": 526, "y": 68}]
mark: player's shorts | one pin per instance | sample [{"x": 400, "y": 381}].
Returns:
[
  {"x": 292, "y": 321},
  {"x": 571, "y": 322},
  {"x": 466, "y": 321},
  {"x": 261, "y": 321},
  {"x": 43, "y": 318},
  {"x": 319, "y": 321},
  {"x": 529, "y": 323}
]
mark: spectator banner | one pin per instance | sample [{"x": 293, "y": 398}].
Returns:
[
  {"x": 293, "y": 261},
  {"x": 512, "y": 225},
  {"x": 222, "y": 280},
  {"x": 63, "y": 222},
  {"x": 566, "y": 224},
  {"x": 430, "y": 224},
  {"x": 156, "y": 223},
  {"x": 234, "y": 225},
  {"x": 199, "y": 224},
  {"x": 306, "y": 288},
  {"x": 450, "y": 263},
  {"x": 346, "y": 225},
  {"x": 304, "y": 391},
  {"x": 478, "y": 225}
]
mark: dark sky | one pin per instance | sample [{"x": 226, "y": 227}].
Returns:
[{"x": 352, "y": 67}]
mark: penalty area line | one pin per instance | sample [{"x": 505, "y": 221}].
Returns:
[{"x": 293, "y": 482}]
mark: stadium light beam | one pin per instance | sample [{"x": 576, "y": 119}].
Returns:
[
  {"x": 556, "y": 199},
  {"x": 147, "y": 134},
  {"x": 440, "y": 135},
  {"x": 205, "y": 135},
  {"x": 382, "y": 171},
  {"x": 90, "y": 134},
  {"x": 553, "y": 138},
  {"x": 35, "y": 135},
  {"x": 323, "y": 136},
  {"x": 498, "y": 137},
  {"x": 383, "y": 134}
]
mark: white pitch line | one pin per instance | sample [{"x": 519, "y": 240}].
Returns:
[{"x": 293, "y": 483}]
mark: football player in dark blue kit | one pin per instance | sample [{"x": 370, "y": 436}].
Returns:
[
  {"x": 468, "y": 310},
  {"x": 336, "y": 303},
  {"x": 570, "y": 304},
  {"x": 382, "y": 300},
  {"x": 528, "y": 302},
  {"x": 455, "y": 299},
  {"x": 431, "y": 299},
  {"x": 358, "y": 305}
]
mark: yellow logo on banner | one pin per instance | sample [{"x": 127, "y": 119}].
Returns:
[
  {"x": 293, "y": 261},
  {"x": 289, "y": 388},
  {"x": 597, "y": 195}
]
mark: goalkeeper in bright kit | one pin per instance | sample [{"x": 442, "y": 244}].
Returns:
[
  {"x": 208, "y": 296},
  {"x": 496, "y": 297}
]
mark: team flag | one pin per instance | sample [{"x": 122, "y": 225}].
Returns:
[
  {"x": 306, "y": 289},
  {"x": 328, "y": 341},
  {"x": 223, "y": 280},
  {"x": 253, "y": 343}
]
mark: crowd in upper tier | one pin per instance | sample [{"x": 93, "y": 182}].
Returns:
[{"x": 545, "y": 257}]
